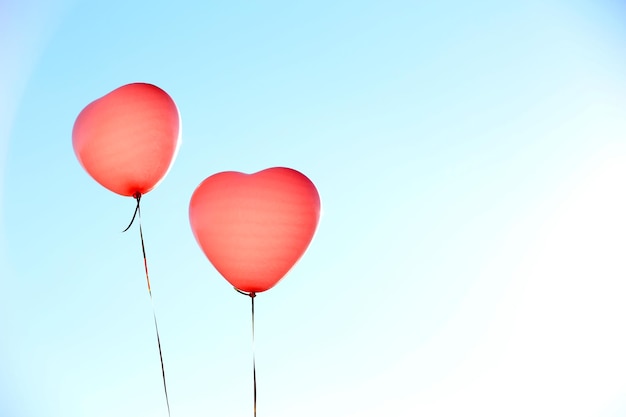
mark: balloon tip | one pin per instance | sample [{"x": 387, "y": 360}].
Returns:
[{"x": 249, "y": 294}]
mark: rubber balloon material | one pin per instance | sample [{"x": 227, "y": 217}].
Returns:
[
  {"x": 253, "y": 228},
  {"x": 128, "y": 139}
]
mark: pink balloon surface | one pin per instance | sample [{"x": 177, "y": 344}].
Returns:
[
  {"x": 253, "y": 228},
  {"x": 128, "y": 139}
]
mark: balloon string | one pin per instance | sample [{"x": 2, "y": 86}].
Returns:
[
  {"x": 253, "y": 355},
  {"x": 252, "y": 295},
  {"x": 137, "y": 195},
  {"x": 156, "y": 326}
]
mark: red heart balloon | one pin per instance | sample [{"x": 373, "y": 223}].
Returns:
[
  {"x": 128, "y": 139},
  {"x": 254, "y": 227}
]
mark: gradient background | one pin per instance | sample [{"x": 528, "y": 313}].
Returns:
[{"x": 471, "y": 160}]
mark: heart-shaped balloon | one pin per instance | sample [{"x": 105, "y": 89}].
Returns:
[
  {"x": 254, "y": 227},
  {"x": 128, "y": 139}
]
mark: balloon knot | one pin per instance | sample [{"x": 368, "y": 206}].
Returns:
[{"x": 249, "y": 294}]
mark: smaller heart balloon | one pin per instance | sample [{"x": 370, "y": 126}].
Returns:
[
  {"x": 128, "y": 139},
  {"x": 253, "y": 228}
]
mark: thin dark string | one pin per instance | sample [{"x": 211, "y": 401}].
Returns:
[
  {"x": 138, "y": 197},
  {"x": 145, "y": 265},
  {"x": 252, "y": 295},
  {"x": 253, "y": 355}
]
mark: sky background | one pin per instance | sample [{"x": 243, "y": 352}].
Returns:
[{"x": 470, "y": 259}]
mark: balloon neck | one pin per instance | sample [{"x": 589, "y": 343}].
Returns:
[
  {"x": 137, "y": 196},
  {"x": 249, "y": 294}
]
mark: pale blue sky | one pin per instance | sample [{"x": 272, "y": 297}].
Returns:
[{"x": 471, "y": 163}]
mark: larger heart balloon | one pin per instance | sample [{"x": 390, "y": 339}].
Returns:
[
  {"x": 254, "y": 227},
  {"x": 128, "y": 139}
]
